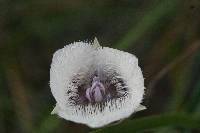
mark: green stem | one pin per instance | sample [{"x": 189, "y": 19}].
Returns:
[
  {"x": 165, "y": 8},
  {"x": 151, "y": 122}
]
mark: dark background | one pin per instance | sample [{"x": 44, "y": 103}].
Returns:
[{"x": 163, "y": 34}]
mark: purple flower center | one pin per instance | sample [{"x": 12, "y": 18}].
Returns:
[{"x": 96, "y": 90}]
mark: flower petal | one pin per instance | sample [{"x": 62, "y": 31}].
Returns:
[{"x": 74, "y": 65}]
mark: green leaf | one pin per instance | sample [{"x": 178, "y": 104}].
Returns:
[{"x": 152, "y": 122}]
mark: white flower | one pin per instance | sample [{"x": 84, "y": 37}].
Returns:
[{"x": 95, "y": 85}]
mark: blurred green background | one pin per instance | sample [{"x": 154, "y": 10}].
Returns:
[{"x": 163, "y": 34}]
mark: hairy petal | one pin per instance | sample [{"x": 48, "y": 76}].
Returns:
[{"x": 95, "y": 85}]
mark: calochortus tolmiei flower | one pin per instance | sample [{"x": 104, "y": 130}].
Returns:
[{"x": 95, "y": 85}]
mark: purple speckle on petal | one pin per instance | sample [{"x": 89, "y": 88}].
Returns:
[{"x": 98, "y": 89}]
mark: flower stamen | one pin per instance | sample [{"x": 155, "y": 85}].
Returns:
[{"x": 96, "y": 93}]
